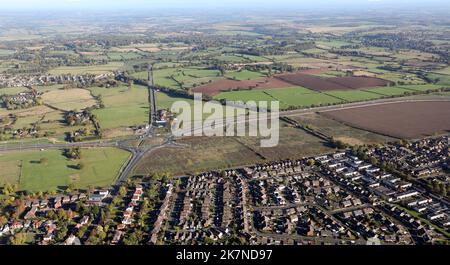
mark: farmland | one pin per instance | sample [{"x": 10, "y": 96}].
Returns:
[
  {"x": 296, "y": 97},
  {"x": 179, "y": 78},
  {"x": 124, "y": 106},
  {"x": 243, "y": 75},
  {"x": 299, "y": 97},
  {"x": 25, "y": 168},
  {"x": 227, "y": 85},
  {"x": 400, "y": 120},
  {"x": 91, "y": 69},
  {"x": 71, "y": 99},
  {"x": 332, "y": 83},
  {"x": 340, "y": 131},
  {"x": 351, "y": 96}
]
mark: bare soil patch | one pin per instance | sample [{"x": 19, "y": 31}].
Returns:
[
  {"x": 333, "y": 83},
  {"x": 216, "y": 87},
  {"x": 400, "y": 120}
]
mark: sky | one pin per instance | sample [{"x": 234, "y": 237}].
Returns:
[{"x": 197, "y": 4}]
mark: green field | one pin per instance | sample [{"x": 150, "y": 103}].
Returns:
[
  {"x": 165, "y": 101},
  {"x": 245, "y": 95},
  {"x": 231, "y": 58},
  {"x": 123, "y": 107},
  {"x": 445, "y": 71},
  {"x": 441, "y": 79},
  {"x": 118, "y": 56},
  {"x": 244, "y": 75},
  {"x": 12, "y": 90},
  {"x": 101, "y": 166},
  {"x": 4, "y": 52},
  {"x": 422, "y": 88},
  {"x": 300, "y": 97},
  {"x": 70, "y": 99},
  {"x": 353, "y": 95},
  {"x": 389, "y": 91},
  {"x": 91, "y": 69},
  {"x": 180, "y": 77},
  {"x": 288, "y": 97}
]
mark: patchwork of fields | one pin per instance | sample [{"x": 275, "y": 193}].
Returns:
[{"x": 300, "y": 97}]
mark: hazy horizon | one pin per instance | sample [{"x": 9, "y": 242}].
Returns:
[{"x": 97, "y": 5}]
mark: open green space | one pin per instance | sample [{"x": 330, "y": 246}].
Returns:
[
  {"x": 4, "y": 52},
  {"x": 353, "y": 95},
  {"x": 301, "y": 97},
  {"x": 89, "y": 69},
  {"x": 422, "y": 88},
  {"x": 178, "y": 78},
  {"x": 101, "y": 166},
  {"x": 389, "y": 91},
  {"x": 124, "y": 106},
  {"x": 244, "y": 75},
  {"x": 440, "y": 79},
  {"x": 288, "y": 97}
]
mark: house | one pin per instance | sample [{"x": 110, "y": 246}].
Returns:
[
  {"x": 31, "y": 213},
  {"x": 406, "y": 194},
  {"x": 95, "y": 199},
  {"x": 70, "y": 240},
  {"x": 117, "y": 236},
  {"x": 16, "y": 225},
  {"x": 47, "y": 237},
  {"x": 103, "y": 193},
  {"x": 43, "y": 203},
  {"x": 357, "y": 213},
  {"x": 66, "y": 199},
  {"x": 84, "y": 220}
]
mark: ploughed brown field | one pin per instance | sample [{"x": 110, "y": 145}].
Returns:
[
  {"x": 399, "y": 120},
  {"x": 332, "y": 83},
  {"x": 218, "y": 86},
  {"x": 357, "y": 82}
]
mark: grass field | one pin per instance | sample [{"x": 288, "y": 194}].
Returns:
[
  {"x": 445, "y": 71},
  {"x": 441, "y": 79},
  {"x": 91, "y": 69},
  {"x": 353, "y": 95},
  {"x": 389, "y": 91},
  {"x": 294, "y": 96},
  {"x": 70, "y": 99},
  {"x": 232, "y": 58},
  {"x": 101, "y": 166},
  {"x": 244, "y": 75},
  {"x": 12, "y": 90},
  {"x": 4, "y": 52},
  {"x": 180, "y": 77},
  {"x": 421, "y": 88},
  {"x": 118, "y": 56},
  {"x": 398, "y": 77},
  {"x": 301, "y": 97},
  {"x": 123, "y": 107},
  {"x": 245, "y": 95},
  {"x": 165, "y": 101},
  {"x": 10, "y": 172}
]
